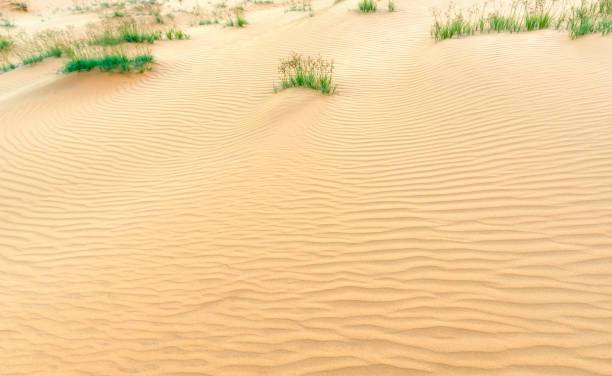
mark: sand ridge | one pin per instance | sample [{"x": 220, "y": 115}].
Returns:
[{"x": 449, "y": 211}]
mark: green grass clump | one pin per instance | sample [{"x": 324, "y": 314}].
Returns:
[
  {"x": 299, "y": 6},
  {"x": 537, "y": 19},
  {"x": 367, "y": 6},
  {"x": 5, "y": 44},
  {"x": 126, "y": 32},
  {"x": 176, "y": 34},
  {"x": 7, "y": 66},
  {"x": 43, "y": 45},
  {"x": 238, "y": 20},
  {"x": 158, "y": 18},
  {"x": 589, "y": 17},
  {"x": 451, "y": 28},
  {"x": 391, "y": 6},
  {"x": 110, "y": 62},
  {"x": 300, "y": 71}
]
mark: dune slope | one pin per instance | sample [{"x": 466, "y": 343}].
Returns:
[{"x": 448, "y": 212}]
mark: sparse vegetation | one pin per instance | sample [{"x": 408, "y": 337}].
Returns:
[
  {"x": 298, "y": 6},
  {"x": 43, "y": 45},
  {"x": 176, "y": 34},
  {"x": 19, "y": 5},
  {"x": 367, "y": 6},
  {"x": 391, "y": 6},
  {"x": 589, "y": 17},
  {"x": 301, "y": 71},
  {"x": 238, "y": 19},
  {"x": 110, "y": 62},
  {"x": 126, "y": 32},
  {"x": 5, "y": 44}
]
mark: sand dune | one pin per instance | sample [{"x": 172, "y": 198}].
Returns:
[{"x": 448, "y": 212}]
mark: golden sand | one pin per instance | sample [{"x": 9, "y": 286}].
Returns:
[{"x": 447, "y": 212}]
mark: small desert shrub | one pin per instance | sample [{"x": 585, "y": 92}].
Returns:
[
  {"x": 300, "y": 71},
  {"x": 391, "y": 6},
  {"x": 110, "y": 62},
  {"x": 590, "y": 17},
  {"x": 367, "y": 6}
]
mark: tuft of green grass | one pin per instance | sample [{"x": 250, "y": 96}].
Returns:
[
  {"x": 590, "y": 18},
  {"x": 301, "y": 71},
  {"x": 5, "y": 44},
  {"x": 6, "y": 67},
  {"x": 43, "y": 45},
  {"x": 110, "y": 62},
  {"x": 530, "y": 15},
  {"x": 537, "y": 19},
  {"x": 239, "y": 20},
  {"x": 451, "y": 28},
  {"x": 126, "y": 32},
  {"x": 158, "y": 18},
  {"x": 391, "y": 6},
  {"x": 367, "y": 6},
  {"x": 176, "y": 34}
]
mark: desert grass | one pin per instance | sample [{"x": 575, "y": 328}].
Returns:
[
  {"x": 43, "y": 45},
  {"x": 589, "y": 17},
  {"x": 236, "y": 19},
  {"x": 367, "y": 6},
  {"x": 305, "y": 71},
  {"x": 5, "y": 44},
  {"x": 110, "y": 62},
  {"x": 19, "y": 5},
  {"x": 298, "y": 6},
  {"x": 391, "y": 6},
  {"x": 174, "y": 33},
  {"x": 128, "y": 31},
  {"x": 6, "y": 65}
]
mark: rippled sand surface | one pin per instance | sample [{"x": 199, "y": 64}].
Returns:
[{"x": 448, "y": 212}]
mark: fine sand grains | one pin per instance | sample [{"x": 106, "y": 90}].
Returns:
[{"x": 448, "y": 211}]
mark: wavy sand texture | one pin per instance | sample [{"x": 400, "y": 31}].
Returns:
[{"x": 449, "y": 212}]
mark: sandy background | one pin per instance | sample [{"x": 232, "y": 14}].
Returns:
[{"x": 448, "y": 212}]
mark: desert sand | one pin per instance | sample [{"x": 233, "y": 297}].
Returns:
[{"x": 447, "y": 212}]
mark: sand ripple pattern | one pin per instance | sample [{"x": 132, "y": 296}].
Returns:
[{"x": 449, "y": 212}]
